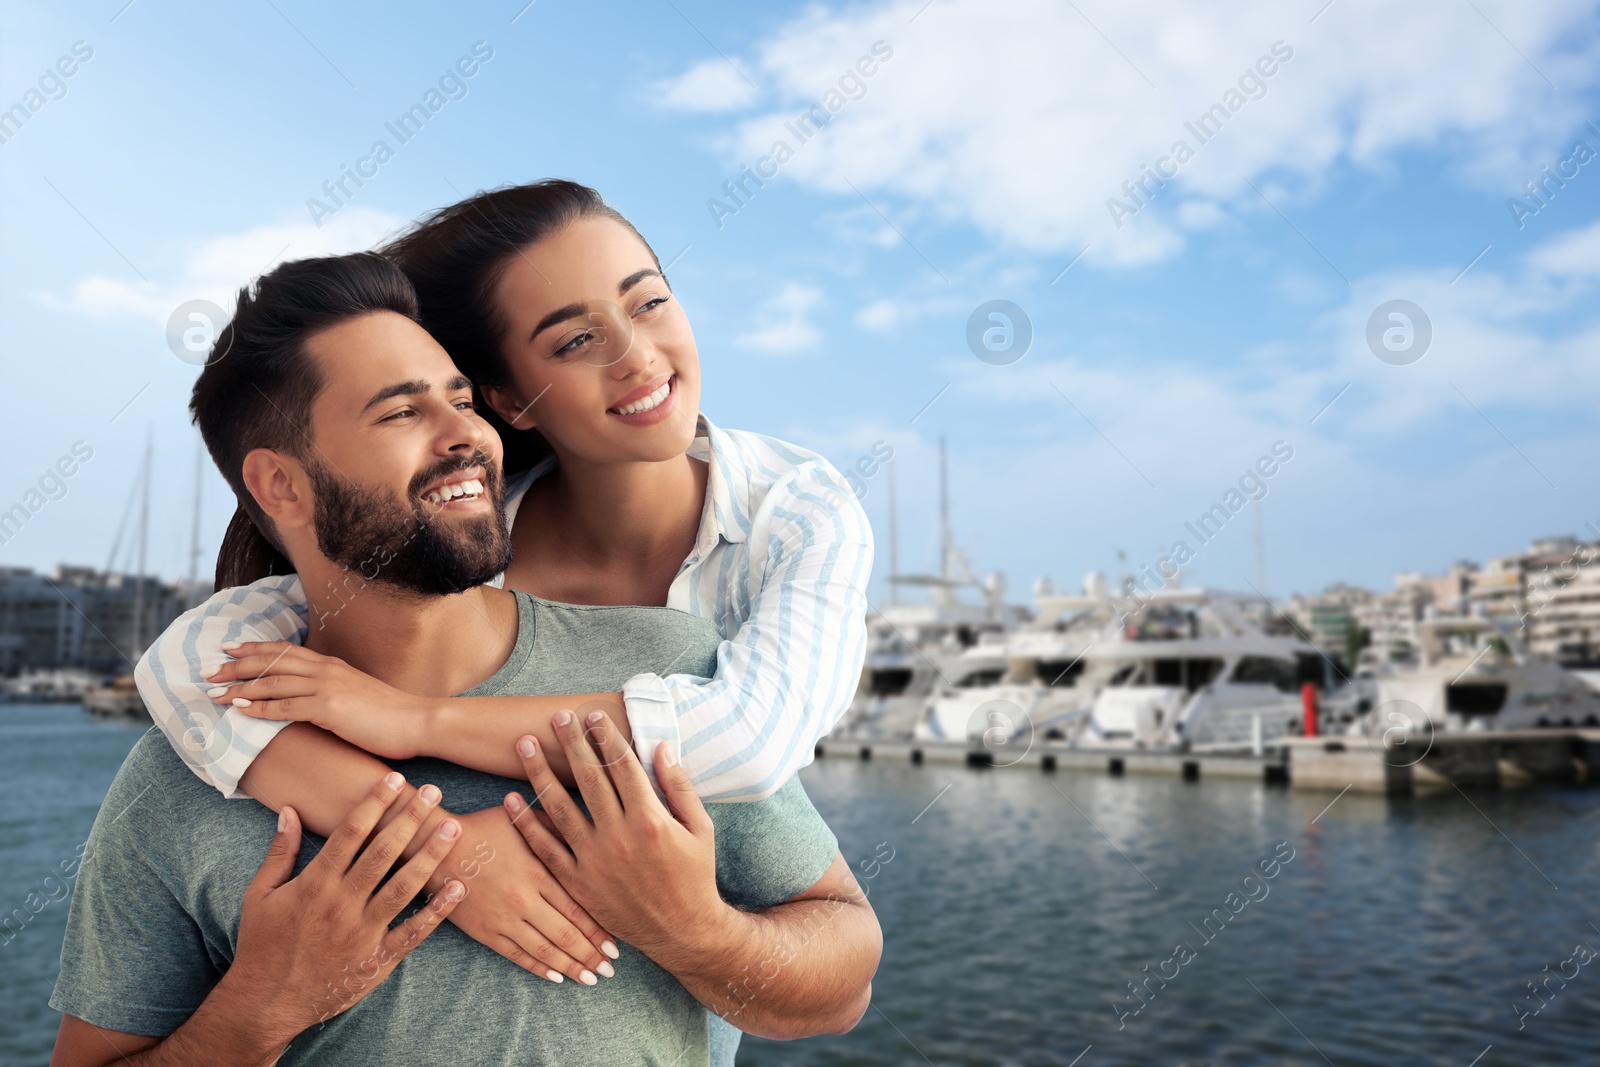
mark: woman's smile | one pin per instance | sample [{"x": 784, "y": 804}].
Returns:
[{"x": 648, "y": 404}]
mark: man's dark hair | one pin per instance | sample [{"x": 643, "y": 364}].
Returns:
[
  {"x": 259, "y": 382},
  {"x": 456, "y": 257}
]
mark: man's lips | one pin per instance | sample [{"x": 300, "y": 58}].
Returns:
[{"x": 463, "y": 485}]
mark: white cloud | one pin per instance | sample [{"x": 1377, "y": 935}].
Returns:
[
  {"x": 1576, "y": 254},
  {"x": 711, "y": 85},
  {"x": 783, "y": 326},
  {"x": 1023, "y": 119},
  {"x": 216, "y": 269},
  {"x": 879, "y": 316}
]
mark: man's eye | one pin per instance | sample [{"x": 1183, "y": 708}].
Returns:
[
  {"x": 403, "y": 414},
  {"x": 466, "y": 405}
]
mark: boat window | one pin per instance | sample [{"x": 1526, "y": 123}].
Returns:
[
  {"x": 987, "y": 676},
  {"x": 1475, "y": 698},
  {"x": 1191, "y": 674},
  {"x": 1059, "y": 672},
  {"x": 1260, "y": 670},
  {"x": 889, "y": 682},
  {"x": 1122, "y": 676}
]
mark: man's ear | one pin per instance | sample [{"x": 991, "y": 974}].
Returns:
[
  {"x": 506, "y": 403},
  {"x": 281, "y": 487}
]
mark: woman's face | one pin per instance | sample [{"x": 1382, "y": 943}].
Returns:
[{"x": 601, "y": 357}]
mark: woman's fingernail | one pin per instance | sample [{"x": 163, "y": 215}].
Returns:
[
  {"x": 394, "y": 780},
  {"x": 229, "y": 646},
  {"x": 217, "y": 691},
  {"x": 209, "y": 671},
  {"x": 429, "y": 795},
  {"x": 526, "y": 748},
  {"x": 594, "y": 718},
  {"x": 562, "y": 717},
  {"x": 240, "y": 702},
  {"x": 610, "y": 949},
  {"x": 450, "y": 830},
  {"x": 555, "y": 976},
  {"x": 588, "y": 978},
  {"x": 606, "y": 970}
]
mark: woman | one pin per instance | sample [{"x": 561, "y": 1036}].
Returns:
[{"x": 556, "y": 307}]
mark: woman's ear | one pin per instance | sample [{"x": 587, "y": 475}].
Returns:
[
  {"x": 281, "y": 488},
  {"x": 505, "y": 402}
]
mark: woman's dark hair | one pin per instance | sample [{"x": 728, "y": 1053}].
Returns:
[
  {"x": 259, "y": 382},
  {"x": 455, "y": 259}
]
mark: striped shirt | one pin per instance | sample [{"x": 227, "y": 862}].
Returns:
[{"x": 780, "y": 566}]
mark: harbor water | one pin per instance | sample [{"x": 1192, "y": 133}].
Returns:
[{"x": 1258, "y": 926}]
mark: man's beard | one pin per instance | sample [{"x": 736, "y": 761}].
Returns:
[{"x": 404, "y": 545}]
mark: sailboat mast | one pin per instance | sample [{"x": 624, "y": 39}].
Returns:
[
  {"x": 944, "y": 515},
  {"x": 894, "y": 544},
  {"x": 144, "y": 540},
  {"x": 194, "y": 528}
]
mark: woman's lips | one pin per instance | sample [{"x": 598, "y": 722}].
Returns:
[{"x": 664, "y": 395}]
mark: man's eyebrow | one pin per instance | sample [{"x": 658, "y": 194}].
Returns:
[
  {"x": 415, "y": 387},
  {"x": 459, "y": 382}
]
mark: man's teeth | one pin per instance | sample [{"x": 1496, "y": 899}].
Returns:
[
  {"x": 447, "y": 493},
  {"x": 648, "y": 402}
]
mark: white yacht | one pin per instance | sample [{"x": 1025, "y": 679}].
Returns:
[
  {"x": 1475, "y": 673},
  {"x": 1189, "y": 669}
]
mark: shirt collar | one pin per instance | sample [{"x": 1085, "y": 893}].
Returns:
[{"x": 728, "y": 491}]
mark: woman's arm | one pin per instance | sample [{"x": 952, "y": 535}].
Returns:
[
  {"x": 788, "y": 673},
  {"x": 783, "y": 678}
]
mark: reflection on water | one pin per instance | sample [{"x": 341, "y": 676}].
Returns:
[{"x": 1018, "y": 907}]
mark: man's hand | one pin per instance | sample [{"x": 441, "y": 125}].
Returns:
[
  {"x": 516, "y": 907},
  {"x": 313, "y": 945},
  {"x": 285, "y": 682},
  {"x": 647, "y": 873}
]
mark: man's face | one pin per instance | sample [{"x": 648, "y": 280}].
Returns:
[{"x": 405, "y": 476}]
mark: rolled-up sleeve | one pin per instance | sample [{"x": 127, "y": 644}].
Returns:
[
  {"x": 217, "y": 742},
  {"x": 788, "y": 672}
]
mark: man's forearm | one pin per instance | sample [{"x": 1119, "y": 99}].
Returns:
[
  {"x": 482, "y": 732},
  {"x": 795, "y": 970},
  {"x": 229, "y": 1027}
]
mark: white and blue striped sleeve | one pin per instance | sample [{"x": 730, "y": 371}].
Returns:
[
  {"x": 788, "y": 673},
  {"x": 217, "y": 742}
]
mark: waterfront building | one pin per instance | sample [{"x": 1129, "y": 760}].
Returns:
[{"x": 78, "y": 617}]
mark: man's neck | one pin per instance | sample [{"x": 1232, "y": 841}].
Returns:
[{"x": 427, "y": 645}]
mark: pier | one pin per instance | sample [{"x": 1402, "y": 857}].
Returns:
[{"x": 1506, "y": 758}]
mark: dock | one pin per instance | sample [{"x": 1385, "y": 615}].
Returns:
[{"x": 1513, "y": 757}]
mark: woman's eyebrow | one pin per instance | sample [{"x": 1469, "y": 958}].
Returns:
[{"x": 635, "y": 278}]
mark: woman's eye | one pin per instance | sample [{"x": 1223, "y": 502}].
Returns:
[
  {"x": 573, "y": 345},
  {"x": 651, "y": 304}
]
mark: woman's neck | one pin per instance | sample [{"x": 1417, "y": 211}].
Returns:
[{"x": 631, "y": 516}]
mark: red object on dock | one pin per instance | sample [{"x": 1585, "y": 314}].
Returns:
[{"x": 1308, "y": 701}]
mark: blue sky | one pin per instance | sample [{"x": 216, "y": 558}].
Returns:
[{"x": 974, "y": 162}]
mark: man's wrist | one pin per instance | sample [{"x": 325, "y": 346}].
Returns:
[
  {"x": 704, "y": 948},
  {"x": 242, "y": 1020}
]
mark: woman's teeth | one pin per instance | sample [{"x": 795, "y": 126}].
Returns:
[
  {"x": 648, "y": 402},
  {"x": 469, "y": 489}
]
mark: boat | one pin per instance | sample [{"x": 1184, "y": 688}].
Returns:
[
  {"x": 1475, "y": 673},
  {"x": 117, "y": 699},
  {"x": 1189, "y": 669}
]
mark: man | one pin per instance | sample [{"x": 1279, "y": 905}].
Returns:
[{"x": 159, "y": 961}]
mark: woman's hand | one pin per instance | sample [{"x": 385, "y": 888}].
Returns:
[
  {"x": 516, "y": 907},
  {"x": 283, "y": 681}
]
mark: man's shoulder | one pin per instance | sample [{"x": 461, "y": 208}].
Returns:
[{"x": 153, "y": 782}]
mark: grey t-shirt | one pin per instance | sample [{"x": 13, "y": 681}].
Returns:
[{"x": 154, "y": 920}]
